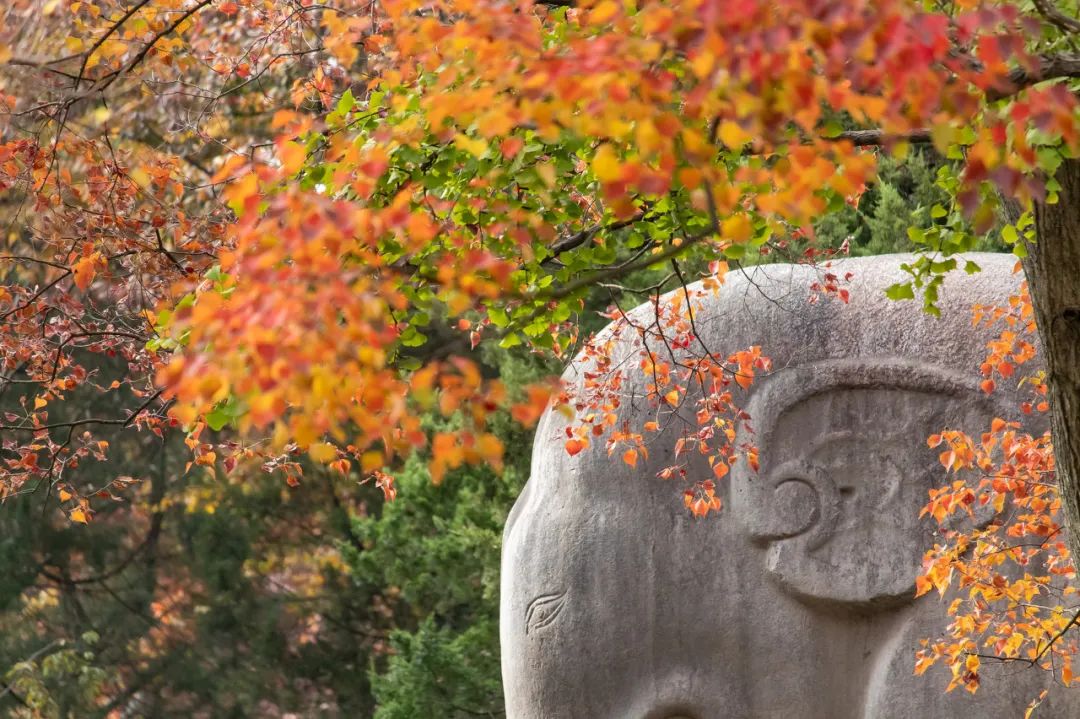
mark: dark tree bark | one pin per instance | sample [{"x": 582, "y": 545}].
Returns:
[{"x": 1053, "y": 273}]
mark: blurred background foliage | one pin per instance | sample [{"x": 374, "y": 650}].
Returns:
[{"x": 212, "y": 594}]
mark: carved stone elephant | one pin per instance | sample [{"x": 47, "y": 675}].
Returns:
[{"x": 798, "y": 599}]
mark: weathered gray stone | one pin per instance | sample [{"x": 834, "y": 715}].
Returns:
[{"x": 797, "y": 600}]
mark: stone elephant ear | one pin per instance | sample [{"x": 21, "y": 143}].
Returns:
[{"x": 844, "y": 471}]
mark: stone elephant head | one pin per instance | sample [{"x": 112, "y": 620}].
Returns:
[{"x": 797, "y": 599}]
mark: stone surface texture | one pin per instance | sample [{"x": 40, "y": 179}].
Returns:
[{"x": 797, "y": 601}]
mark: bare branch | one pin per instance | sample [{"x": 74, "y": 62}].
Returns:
[
  {"x": 871, "y": 138},
  {"x": 1051, "y": 67},
  {"x": 1053, "y": 15}
]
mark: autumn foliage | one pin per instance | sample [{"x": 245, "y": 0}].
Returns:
[
  {"x": 284, "y": 229},
  {"x": 1012, "y": 575}
]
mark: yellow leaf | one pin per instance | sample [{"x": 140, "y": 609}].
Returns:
[
  {"x": 603, "y": 12},
  {"x": 471, "y": 145},
  {"x": 736, "y": 228},
  {"x": 322, "y": 452},
  {"x": 732, "y": 135},
  {"x": 606, "y": 165},
  {"x": 78, "y": 515},
  {"x": 139, "y": 176},
  {"x": 64, "y": 495},
  {"x": 703, "y": 63},
  {"x": 40, "y": 402},
  {"x": 371, "y": 460},
  {"x": 546, "y": 171}
]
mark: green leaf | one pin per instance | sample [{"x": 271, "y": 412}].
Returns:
[
  {"x": 1008, "y": 233},
  {"x": 942, "y": 266},
  {"x": 346, "y": 103},
  {"x": 832, "y": 128},
  {"x": 217, "y": 419},
  {"x": 735, "y": 252},
  {"x": 411, "y": 337},
  {"x": 498, "y": 317},
  {"x": 900, "y": 291}
]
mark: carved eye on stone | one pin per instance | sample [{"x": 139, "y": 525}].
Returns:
[{"x": 543, "y": 611}]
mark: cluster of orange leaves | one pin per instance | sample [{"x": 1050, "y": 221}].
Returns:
[
  {"x": 306, "y": 336},
  {"x": 1003, "y": 557},
  {"x": 691, "y": 390}
]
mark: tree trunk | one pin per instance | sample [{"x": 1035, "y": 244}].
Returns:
[{"x": 1053, "y": 273}]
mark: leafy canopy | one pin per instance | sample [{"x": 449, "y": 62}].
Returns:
[{"x": 321, "y": 211}]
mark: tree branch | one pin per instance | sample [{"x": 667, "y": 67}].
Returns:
[
  {"x": 565, "y": 244},
  {"x": 1055, "y": 17},
  {"x": 1051, "y": 67},
  {"x": 874, "y": 138}
]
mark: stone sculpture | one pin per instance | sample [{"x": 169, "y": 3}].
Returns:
[{"x": 798, "y": 600}]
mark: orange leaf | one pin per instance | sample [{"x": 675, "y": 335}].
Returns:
[
  {"x": 85, "y": 269},
  {"x": 511, "y": 146},
  {"x": 78, "y": 515},
  {"x": 630, "y": 457},
  {"x": 573, "y": 446}
]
